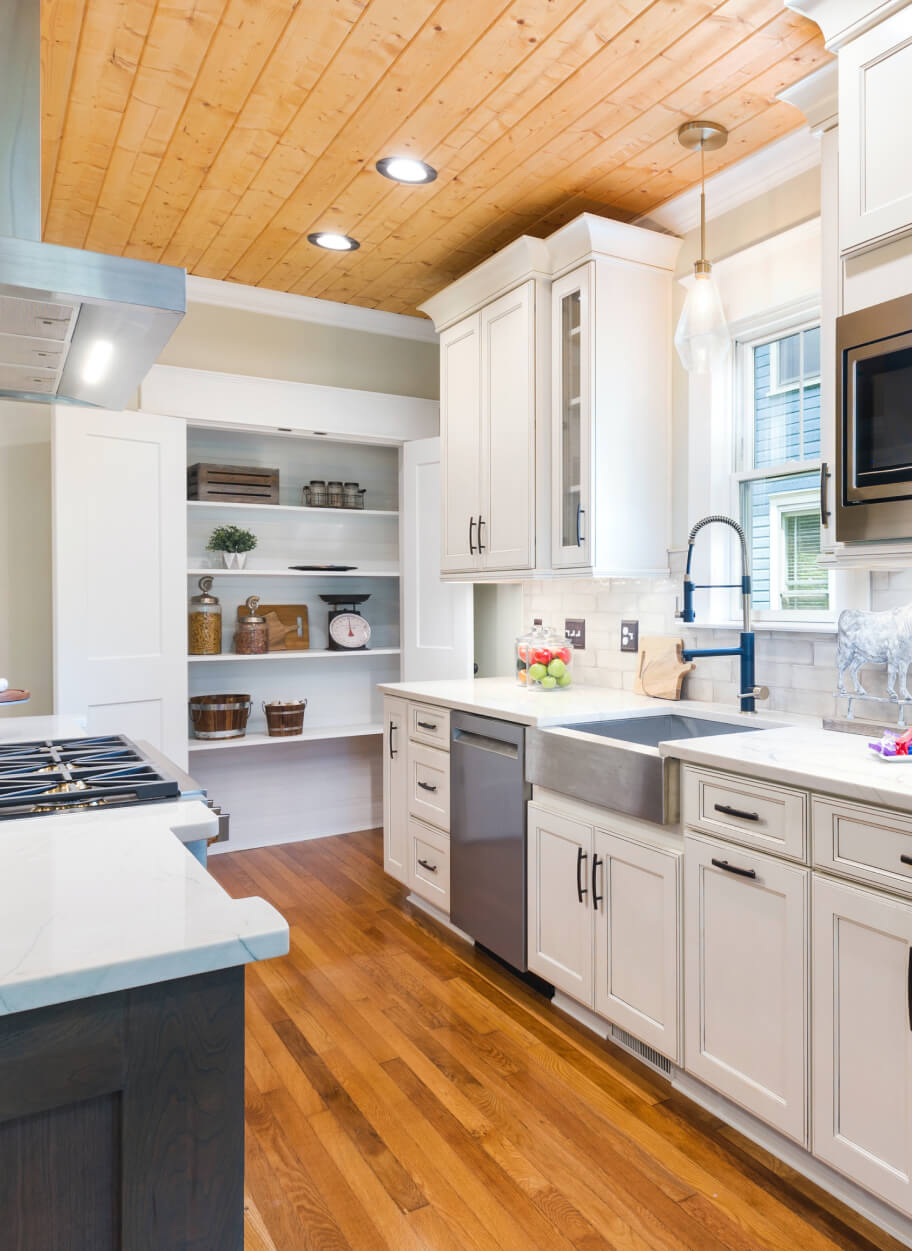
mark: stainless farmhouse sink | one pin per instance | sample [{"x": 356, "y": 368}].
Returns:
[{"x": 616, "y": 763}]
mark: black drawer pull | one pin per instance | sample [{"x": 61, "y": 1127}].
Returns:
[
  {"x": 736, "y": 812},
  {"x": 580, "y": 888},
  {"x": 906, "y": 859},
  {"x": 427, "y": 725},
  {"x": 596, "y": 897},
  {"x": 426, "y": 786},
  {"x": 733, "y": 868},
  {"x": 426, "y": 864}
]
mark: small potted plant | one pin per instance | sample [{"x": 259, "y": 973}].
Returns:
[{"x": 234, "y": 544}]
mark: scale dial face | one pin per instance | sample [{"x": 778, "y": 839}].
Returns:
[{"x": 349, "y": 629}]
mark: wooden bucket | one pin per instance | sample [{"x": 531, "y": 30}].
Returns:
[
  {"x": 285, "y": 719},
  {"x": 219, "y": 716}
]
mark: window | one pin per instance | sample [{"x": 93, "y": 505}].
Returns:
[{"x": 777, "y": 472}]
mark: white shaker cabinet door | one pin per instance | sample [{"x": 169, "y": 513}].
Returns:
[
  {"x": 746, "y": 979},
  {"x": 571, "y": 418},
  {"x": 460, "y": 445},
  {"x": 120, "y": 586},
  {"x": 507, "y": 522},
  {"x": 560, "y": 947},
  {"x": 395, "y": 788},
  {"x": 862, "y": 1078},
  {"x": 636, "y": 902}
]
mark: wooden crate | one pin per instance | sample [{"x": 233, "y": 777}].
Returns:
[{"x": 233, "y": 484}]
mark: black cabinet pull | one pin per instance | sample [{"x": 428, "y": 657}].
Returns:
[
  {"x": 426, "y": 864},
  {"x": 471, "y": 539},
  {"x": 906, "y": 859},
  {"x": 909, "y": 987},
  {"x": 596, "y": 897},
  {"x": 481, "y": 522},
  {"x": 394, "y": 752},
  {"x": 733, "y": 868},
  {"x": 426, "y": 786},
  {"x": 427, "y": 725},
  {"x": 580, "y": 514},
  {"x": 736, "y": 812},
  {"x": 580, "y": 888}
]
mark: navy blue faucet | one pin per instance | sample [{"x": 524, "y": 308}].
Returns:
[{"x": 748, "y": 691}]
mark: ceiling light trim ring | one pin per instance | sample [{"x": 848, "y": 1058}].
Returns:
[
  {"x": 318, "y": 239},
  {"x": 387, "y": 163}
]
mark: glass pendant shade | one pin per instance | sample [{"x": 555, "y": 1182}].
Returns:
[{"x": 702, "y": 336}]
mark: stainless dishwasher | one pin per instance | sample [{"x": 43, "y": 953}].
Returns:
[{"x": 488, "y": 797}]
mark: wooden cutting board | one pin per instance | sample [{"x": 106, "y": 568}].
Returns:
[
  {"x": 287, "y": 624},
  {"x": 660, "y": 668}
]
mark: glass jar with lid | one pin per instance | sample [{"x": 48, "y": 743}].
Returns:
[
  {"x": 544, "y": 659},
  {"x": 204, "y": 622},
  {"x": 335, "y": 494},
  {"x": 317, "y": 493},
  {"x": 251, "y": 638},
  {"x": 351, "y": 497}
]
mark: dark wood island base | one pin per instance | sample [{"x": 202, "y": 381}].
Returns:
[{"x": 122, "y": 1120}]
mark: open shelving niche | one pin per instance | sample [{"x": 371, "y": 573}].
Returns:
[{"x": 343, "y": 701}]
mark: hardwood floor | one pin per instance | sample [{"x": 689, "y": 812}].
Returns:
[{"x": 404, "y": 1092}]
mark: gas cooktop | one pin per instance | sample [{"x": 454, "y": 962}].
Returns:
[{"x": 69, "y": 775}]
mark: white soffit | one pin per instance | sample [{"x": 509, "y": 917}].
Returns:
[
  {"x": 306, "y": 308},
  {"x": 769, "y": 167}
]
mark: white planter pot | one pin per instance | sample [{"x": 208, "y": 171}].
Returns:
[{"x": 234, "y": 560}]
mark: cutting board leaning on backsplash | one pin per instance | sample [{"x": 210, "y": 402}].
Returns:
[{"x": 660, "y": 668}]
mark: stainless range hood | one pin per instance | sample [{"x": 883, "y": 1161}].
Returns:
[{"x": 76, "y": 327}]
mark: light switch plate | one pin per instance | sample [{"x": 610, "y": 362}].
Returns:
[
  {"x": 630, "y": 636},
  {"x": 575, "y": 632}
]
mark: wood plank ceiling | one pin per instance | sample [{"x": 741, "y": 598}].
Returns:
[{"x": 216, "y": 134}]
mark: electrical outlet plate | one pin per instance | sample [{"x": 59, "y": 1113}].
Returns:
[
  {"x": 575, "y": 631},
  {"x": 630, "y": 636}
]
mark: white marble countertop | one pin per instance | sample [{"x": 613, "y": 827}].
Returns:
[
  {"x": 24, "y": 729},
  {"x": 95, "y": 902}
]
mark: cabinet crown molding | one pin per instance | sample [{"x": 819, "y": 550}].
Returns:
[
  {"x": 586, "y": 236},
  {"x": 844, "y": 20},
  {"x": 817, "y": 97}
]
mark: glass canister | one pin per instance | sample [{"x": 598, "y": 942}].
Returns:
[
  {"x": 204, "y": 622},
  {"x": 252, "y": 634},
  {"x": 544, "y": 659},
  {"x": 351, "y": 496},
  {"x": 317, "y": 493},
  {"x": 335, "y": 494}
]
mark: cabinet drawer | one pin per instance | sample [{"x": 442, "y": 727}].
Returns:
[
  {"x": 429, "y": 725},
  {"x": 429, "y": 785},
  {"x": 863, "y": 843},
  {"x": 756, "y": 814},
  {"x": 429, "y": 865}
]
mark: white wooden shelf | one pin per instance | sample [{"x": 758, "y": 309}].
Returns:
[
  {"x": 293, "y": 508},
  {"x": 311, "y": 734},
  {"x": 306, "y": 654},
  {"x": 293, "y": 573}
]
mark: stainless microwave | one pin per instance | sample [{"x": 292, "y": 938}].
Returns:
[{"x": 874, "y": 423}]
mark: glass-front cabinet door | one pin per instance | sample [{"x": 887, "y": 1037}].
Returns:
[{"x": 571, "y": 332}]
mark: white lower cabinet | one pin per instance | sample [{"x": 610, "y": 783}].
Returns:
[
  {"x": 603, "y": 922},
  {"x": 746, "y": 979},
  {"x": 862, "y": 1035},
  {"x": 395, "y": 788},
  {"x": 637, "y": 912},
  {"x": 560, "y": 943}
]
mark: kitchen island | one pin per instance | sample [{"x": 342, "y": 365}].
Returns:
[{"x": 122, "y": 1031}]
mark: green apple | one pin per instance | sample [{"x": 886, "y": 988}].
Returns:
[
  {"x": 549, "y": 683},
  {"x": 557, "y": 668},
  {"x": 565, "y": 680},
  {"x": 537, "y": 672}
]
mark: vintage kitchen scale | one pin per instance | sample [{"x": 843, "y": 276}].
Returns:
[{"x": 348, "y": 630}]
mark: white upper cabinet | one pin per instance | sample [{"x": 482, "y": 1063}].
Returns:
[
  {"x": 875, "y": 99},
  {"x": 555, "y": 405}
]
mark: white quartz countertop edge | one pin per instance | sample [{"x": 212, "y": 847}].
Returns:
[{"x": 101, "y": 902}]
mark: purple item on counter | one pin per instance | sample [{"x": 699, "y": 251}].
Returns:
[{"x": 886, "y": 746}]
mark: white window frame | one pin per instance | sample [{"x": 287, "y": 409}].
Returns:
[
  {"x": 781, "y": 504},
  {"x": 778, "y": 387},
  {"x": 747, "y": 336}
]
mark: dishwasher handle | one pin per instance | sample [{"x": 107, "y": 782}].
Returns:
[{"x": 483, "y": 742}]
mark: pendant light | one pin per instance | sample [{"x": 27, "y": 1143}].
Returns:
[{"x": 702, "y": 337}]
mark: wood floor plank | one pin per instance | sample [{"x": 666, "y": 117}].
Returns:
[{"x": 406, "y": 1091}]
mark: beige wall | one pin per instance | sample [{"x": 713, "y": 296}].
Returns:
[
  {"x": 795, "y": 201},
  {"x": 228, "y": 340},
  {"x": 25, "y": 554}
]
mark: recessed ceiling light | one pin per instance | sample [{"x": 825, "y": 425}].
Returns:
[
  {"x": 333, "y": 242},
  {"x": 405, "y": 169}
]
